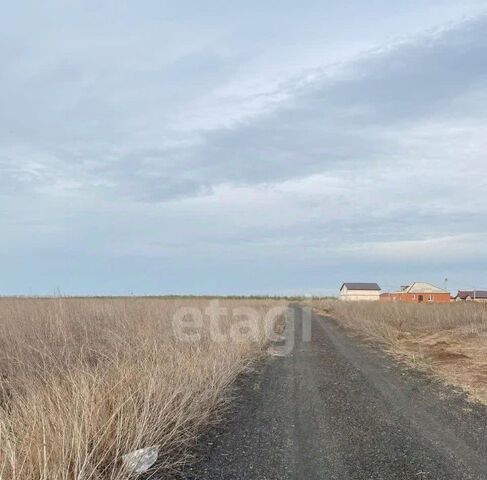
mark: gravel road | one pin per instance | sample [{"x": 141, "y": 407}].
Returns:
[{"x": 335, "y": 408}]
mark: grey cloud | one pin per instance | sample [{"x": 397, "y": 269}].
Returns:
[
  {"x": 420, "y": 79},
  {"x": 351, "y": 119},
  {"x": 93, "y": 128},
  {"x": 115, "y": 170}
]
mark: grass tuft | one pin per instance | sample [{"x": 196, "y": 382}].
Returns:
[{"x": 85, "y": 381}]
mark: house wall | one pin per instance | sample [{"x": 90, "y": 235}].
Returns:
[
  {"x": 414, "y": 297},
  {"x": 359, "y": 295},
  {"x": 470, "y": 299}
]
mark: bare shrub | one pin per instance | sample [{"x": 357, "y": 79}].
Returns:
[
  {"x": 85, "y": 381},
  {"x": 389, "y": 322}
]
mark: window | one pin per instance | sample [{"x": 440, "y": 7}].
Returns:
[{"x": 430, "y": 298}]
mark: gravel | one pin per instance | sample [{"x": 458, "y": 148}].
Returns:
[{"x": 338, "y": 409}]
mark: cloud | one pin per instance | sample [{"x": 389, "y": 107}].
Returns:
[
  {"x": 102, "y": 131},
  {"x": 360, "y": 115},
  {"x": 186, "y": 149}
]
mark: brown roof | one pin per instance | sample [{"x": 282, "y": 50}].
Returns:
[{"x": 463, "y": 294}]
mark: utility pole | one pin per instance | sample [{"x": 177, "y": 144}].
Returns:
[{"x": 446, "y": 284}]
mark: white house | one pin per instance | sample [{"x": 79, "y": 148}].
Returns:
[{"x": 354, "y": 292}]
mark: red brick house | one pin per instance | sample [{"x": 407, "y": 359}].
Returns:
[{"x": 418, "y": 292}]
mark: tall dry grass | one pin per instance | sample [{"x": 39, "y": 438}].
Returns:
[
  {"x": 449, "y": 340},
  {"x": 388, "y": 322},
  {"x": 85, "y": 381}
]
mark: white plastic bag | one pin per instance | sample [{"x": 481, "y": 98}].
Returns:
[{"x": 139, "y": 461}]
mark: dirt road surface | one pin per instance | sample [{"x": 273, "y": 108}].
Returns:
[{"x": 335, "y": 408}]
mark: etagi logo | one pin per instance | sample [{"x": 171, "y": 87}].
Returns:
[{"x": 281, "y": 326}]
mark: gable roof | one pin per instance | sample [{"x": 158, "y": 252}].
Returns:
[
  {"x": 463, "y": 294},
  {"x": 421, "y": 287},
  {"x": 360, "y": 286}
]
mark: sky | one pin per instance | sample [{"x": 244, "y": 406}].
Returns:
[{"x": 250, "y": 147}]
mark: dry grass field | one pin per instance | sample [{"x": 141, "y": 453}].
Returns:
[
  {"x": 449, "y": 340},
  {"x": 85, "y": 381}
]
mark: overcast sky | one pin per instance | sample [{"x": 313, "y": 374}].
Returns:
[{"x": 241, "y": 147}]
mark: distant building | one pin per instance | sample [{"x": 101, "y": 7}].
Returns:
[
  {"x": 354, "y": 292},
  {"x": 385, "y": 297},
  {"x": 418, "y": 292},
  {"x": 471, "y": 296}
]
